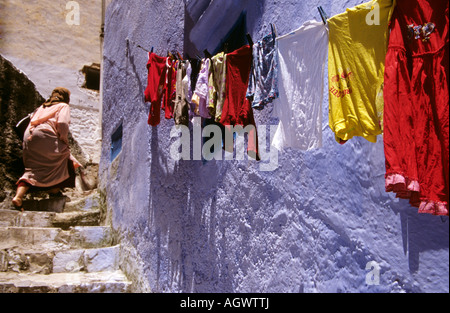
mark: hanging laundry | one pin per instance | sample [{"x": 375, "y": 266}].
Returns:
[
  {"x": 200, "y": 96},
  {"x": 194, "y": 70},
  {"x": 302, "y": 56},
  {"x": 156, "y": 67},
  {"x": 187, "y": 86},
  {"x": 181, "y": 106},
  {"x": 263, "y": 82},
  {"x": 237, "y": 109},
  {"x": 416, "y": 97},
  {"x": 357, "y": 49},
  {"x": 168, "y": 102},
  {"x": 217, "y": 85}
]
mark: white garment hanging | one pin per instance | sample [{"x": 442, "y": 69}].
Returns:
[
  {"x": 201, "y": 93},
  {"x": 302, "y": 56}
]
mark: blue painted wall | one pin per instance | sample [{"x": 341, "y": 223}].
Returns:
[{"x": 312, "y": 225}]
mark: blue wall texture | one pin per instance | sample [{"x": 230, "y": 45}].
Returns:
[{"x": 320, "y": 222}]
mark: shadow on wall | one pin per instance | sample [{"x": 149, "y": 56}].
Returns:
[
  {"x": 179, "y": 221},
  {"x": 209, "y": 24},
  {"x": 196, "y": 212},
  {"x": 183, "y": 202},
  {"x": 422, "y": 232}
]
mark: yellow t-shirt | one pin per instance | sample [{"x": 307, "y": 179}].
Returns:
[{"x": 357, "y": 47}]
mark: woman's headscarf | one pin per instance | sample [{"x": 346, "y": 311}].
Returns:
[
  {"x": 59, "y": 94},
  {"x": 47, "y": 111}
]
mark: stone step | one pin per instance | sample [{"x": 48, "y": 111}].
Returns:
[
  {"x": 41, "y": 261},
  {"x": 13, "y": 218},
  {"x": 55, "y": 204},
  {"x": 57, "y": 245},
  {"x": 86, "y": 203},
  {"x": 67, "y": 219},
  {"x": 88, "y": 260},
  {"x": 69, "y": 202},
  {"x": 16, "y": 218},
  {"x": 75, "y": 237},
  {"x": 99, "y": 282}
]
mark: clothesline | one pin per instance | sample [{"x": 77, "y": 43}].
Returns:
[
  {"x": 323, "y": 15},
  {"x": 226, "y": 87}
]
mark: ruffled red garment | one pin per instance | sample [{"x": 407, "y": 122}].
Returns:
[
  {"x": 237, "y": 109},
  {"x": 416, "y": 112},
  {"x": 156, "y": 82}
]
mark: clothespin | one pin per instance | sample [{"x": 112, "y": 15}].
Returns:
[
  {"x": 207, "y": 54},
  {"x": 249, "y": 39},
  {"x": 138, "y": 45},
  {"x": 274, "y": 30},
  {"x": 323, "y": 15},
  {"x": 146, "y": 50}
]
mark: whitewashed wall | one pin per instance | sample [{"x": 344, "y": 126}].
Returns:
[{"x": 312, "y": 225}]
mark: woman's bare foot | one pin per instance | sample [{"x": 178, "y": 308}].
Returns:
[
  {"x": 18, "y": 199},
  {"x": 18, "y": 203}
]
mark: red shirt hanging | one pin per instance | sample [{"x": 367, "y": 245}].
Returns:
[
  {"x": 156, "y": 66},
  {"x": 237, "y": 109}
]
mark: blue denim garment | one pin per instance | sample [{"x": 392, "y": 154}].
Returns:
[{"x": 263, "y": 81}]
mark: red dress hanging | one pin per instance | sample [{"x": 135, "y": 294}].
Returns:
[{"x": 416, "y": 99}]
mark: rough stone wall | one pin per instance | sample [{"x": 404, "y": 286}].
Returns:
[
  {"x": 18, "y": 97},
  {"x": 314, "y": 224}
]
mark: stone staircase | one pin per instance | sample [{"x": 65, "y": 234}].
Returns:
[{"x": 59, "y": 246}]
